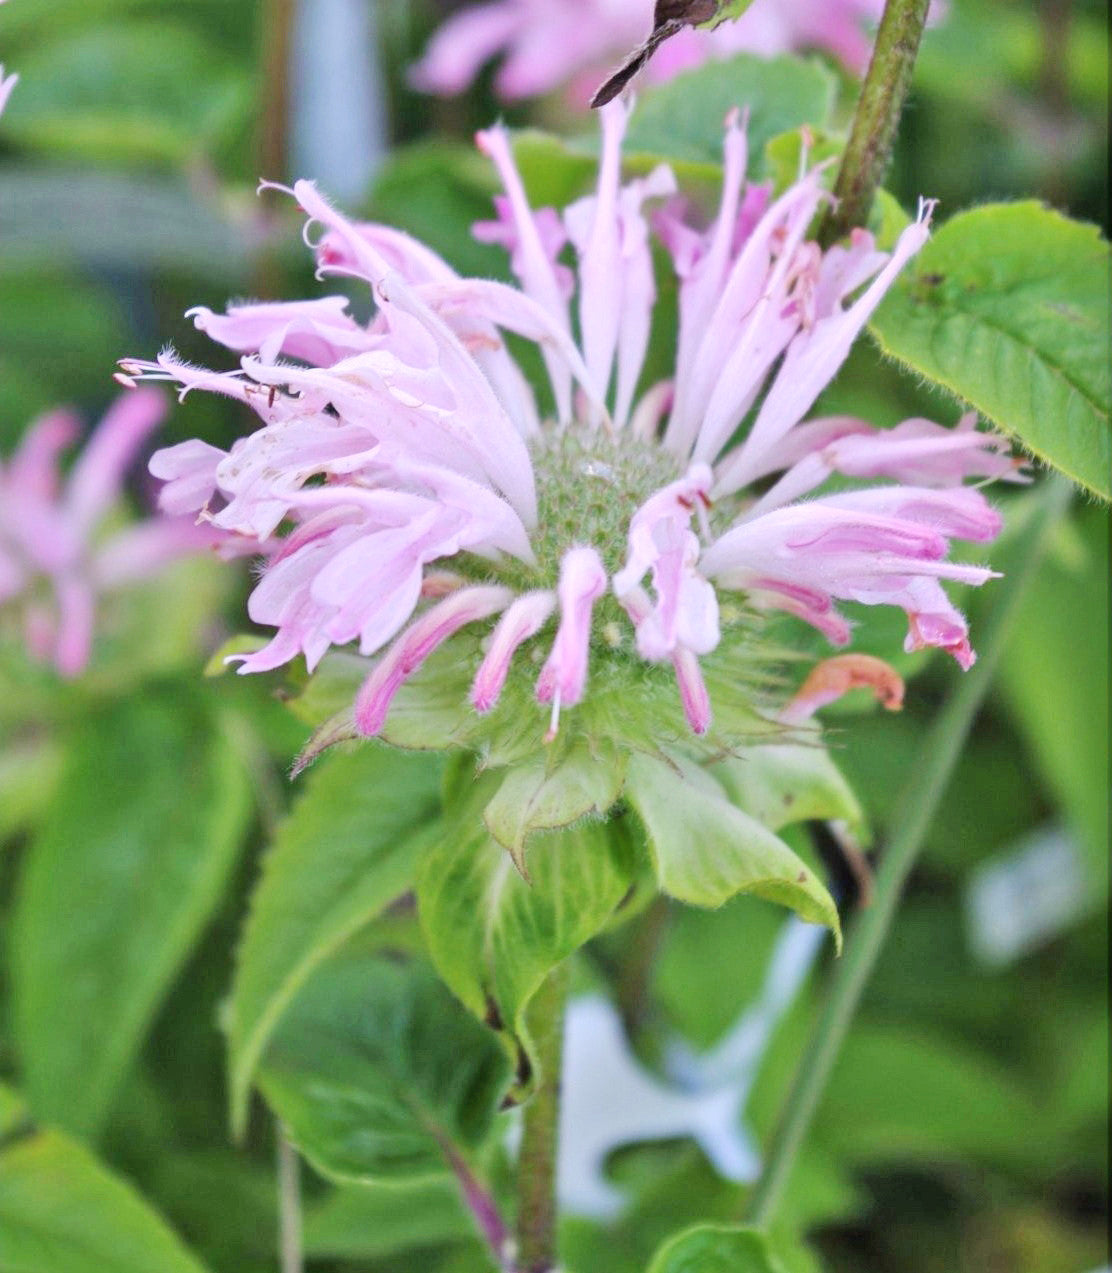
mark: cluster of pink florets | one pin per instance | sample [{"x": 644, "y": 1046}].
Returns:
[{"x": 392, "y": 489}]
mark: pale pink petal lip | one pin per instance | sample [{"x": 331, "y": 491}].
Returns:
[
  {"x": 583, "y": 581},
  {"x": 468, "y": 605},
  {"x": 522, "y": 619}
]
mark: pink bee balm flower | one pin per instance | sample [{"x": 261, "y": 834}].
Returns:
[
  {"x": 54, "y": 563},
  {"x": 611, "y": 544},
  {"x": 544, "y": 44}
]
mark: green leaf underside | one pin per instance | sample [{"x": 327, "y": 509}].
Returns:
[
  {"x": 1008, "y": 307},
  {"x": 536, "y": 796},
  {"x": 117, "y": 886},
  {"x": 61, "y": 1211},
  {"x": 782, "y": 783},
  {"x": 712, "y": 1248},
  {"x": 348, "y": 850},
  {"x": 375, "y": 1071},
  {"x": 706, "y": 850},
  {"x": 493, "y": 937}
]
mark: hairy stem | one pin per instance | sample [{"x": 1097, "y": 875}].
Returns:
[
  {"x": 537, "y": 1160},
  {"x": 876, "y": 117},
  {"x": 274, "y": 123},
  {"x": 936, "y": 763},
  {"x": 289, "y": 1206}
]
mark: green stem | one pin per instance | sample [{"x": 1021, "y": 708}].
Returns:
[
  {"x": 937, "y": 760},
  {"x": 876, "y": 117},
  {"x": 537, "y": 1160},
  {"x": 289, "y": 1206}
]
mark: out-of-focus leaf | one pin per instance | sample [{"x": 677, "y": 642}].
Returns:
[
  {"x": 1056, "y": 679},
  {"x": 117, "y": 885},
  {"x": 345, "y": 853},
  {"x": 1008, "y": 307},
  {"x": 706, "y": 850},
  {"x": 28, "y": 776},
  {"x": 361, "y": 1222},
  {"x": 13, "y": 1109},
  {"x": 493, "y": 937},
  {"x": 61, "y": 1211},
  {"x": 683, "y": 119},
  {"x": 122, "y": 221},
  {"x": 378, "y": 1074},
  {"x": 901, "y": 1095},
  {"x": 716, "y": 1248},
  {"x": 114, "y": 93},
  {"x": 44, "y": 312},
  {"x": 223, "y": 1202}
]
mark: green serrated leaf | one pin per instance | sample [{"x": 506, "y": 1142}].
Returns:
[
  {"x": 706, "y": 850},
  {"x": 1008, "y": 307},
  {"x": 683, "y": 119},
  {"x": 118, "y": 883},
  {"x": 544, "y": 796},
  {"x": 61, "y": 1211},
  {"x": 346, "y": 852},
  {"x": 493, "y": 937},
  {"x": 782, "y": 783},
  {"x": 716, "y": 1248},
  {"x": 377, "y": 1073}
]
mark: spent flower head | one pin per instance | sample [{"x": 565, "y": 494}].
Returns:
[{"x": 607, "y": 558}]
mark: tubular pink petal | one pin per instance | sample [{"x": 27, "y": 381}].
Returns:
[
  {"x": 745, "y": 299},
  {"x": 812, "y": 360},
  {"x": 593, "y": 227},
  {"x": 537, "y": 273},
  {"x": 583, "y": 581},
  {"x": 693, "y": 690},
  {"x": 415, "y": 645},
  {"x": 319, "y": 331},
  {"x": 522, "y": 619}
]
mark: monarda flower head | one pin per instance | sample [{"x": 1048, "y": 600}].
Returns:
[{"x": 594, "y": 568}]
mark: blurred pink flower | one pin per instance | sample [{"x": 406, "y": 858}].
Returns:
[
  {"x": 416, "y": 439},
  {"x": 544, "y": 44},
  {"x": 53, "y": 562}
]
